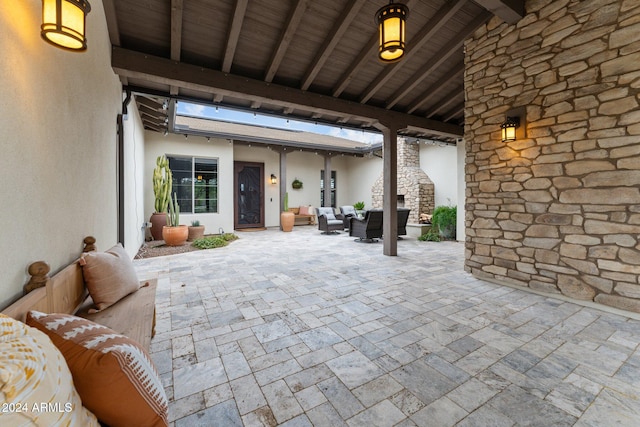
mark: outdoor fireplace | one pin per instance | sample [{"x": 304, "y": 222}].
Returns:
[{"x": 415, "y": 189}]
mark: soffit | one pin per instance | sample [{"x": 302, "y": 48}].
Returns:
[{"x": 313, "y": 60}]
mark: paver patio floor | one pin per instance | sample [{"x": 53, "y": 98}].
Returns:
[{"x": 303, "y": 329}]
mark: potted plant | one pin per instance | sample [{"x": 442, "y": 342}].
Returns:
[
  {"x": 196, "y": 231},
  {"x": 297, "y": 184},
  {"x": 173, "y": 233},
  {"x": 359, "y": 207},
  {"x": 162, "y": 192},
  {"x": 287, "y": 219}
]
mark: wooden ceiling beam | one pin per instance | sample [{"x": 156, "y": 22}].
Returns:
[
  {"x": 448, "y": 99},
  {"x": 458, "y": 110},
  {"x": 293, "y": 21},
  {"x": 112, "y": 21},
  {"x": 446, "y": 12},
  {"x": 367, "y": 52},
  {"x": 151, "y": 113},
  {"x": 510, "y": 11},
  {"x": 449, "y": 76},
  {"x": 331, "y": 41},
  {"x": 436, "y": 60},
  {"x": 149, "y": 103},
  {"x": 164, "y": 71},
  {"x": 177, "y": 8},
  {"x": 234, "y": 34}
]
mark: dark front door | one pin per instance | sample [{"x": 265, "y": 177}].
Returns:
[{"x": 248, "y": 195}]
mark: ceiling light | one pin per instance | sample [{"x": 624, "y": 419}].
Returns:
[
  {"x": 391, "y": 20},
  {"x": 64, "y": 23}
]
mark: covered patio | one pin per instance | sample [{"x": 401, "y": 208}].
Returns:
[
  {"x": 518, "y": 325},
  {"x": 283, "y": 329}
]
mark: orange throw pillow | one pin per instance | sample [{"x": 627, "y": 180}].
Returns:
[
  {"x": 114, "y": 376},
  {"x": 109, "y": 276}
]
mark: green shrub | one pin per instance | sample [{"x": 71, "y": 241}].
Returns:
[
  {"x": 229, "y": 237},
  {"x": 215, "y": 241},
  {"x": 210, "y": 242},
  {"x": 431, "y": 236},
  {"x": 444, "y": 219}
]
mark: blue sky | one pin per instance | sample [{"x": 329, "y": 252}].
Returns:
[{"x": 210, "y": 112}]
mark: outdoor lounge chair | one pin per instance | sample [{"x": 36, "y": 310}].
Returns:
[
  {"x": 369, "y": 228},
  {"x": 348, "y": 212},
  {"x": 328, "y": 221},
  {"x": 403, "y": 217}
]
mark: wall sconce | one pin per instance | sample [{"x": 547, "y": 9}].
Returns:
[
  {"x": 515, "y": 124},
  {"x": 509, "y": 128},
  {"x": 274, "y": 180},
  {"x": 391, "y": 20},
  {"x": 64, "y": 23}
]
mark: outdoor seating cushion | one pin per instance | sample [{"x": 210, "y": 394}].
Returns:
[
  {"x": 109, "y": 276},
  {"x": 304, "y": 210},
  {"x": 34, "y": 373},
  {"x": 348, "y": 210},
  {"x": 329, "y": 213},
  {"x": 113, "y": 374}
]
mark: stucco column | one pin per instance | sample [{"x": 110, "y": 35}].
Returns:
[
  {"x": 390, "y": 188},
  {"x": 283, "y": 178},
  {"x": 327, "y": 180}
]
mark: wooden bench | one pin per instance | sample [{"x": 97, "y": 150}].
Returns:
[
  {"x": 133, "y": 316},
  {"x": 310, "y": 219}
]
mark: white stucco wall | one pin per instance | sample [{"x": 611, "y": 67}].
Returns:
[
  {"x": 462, "y": 185},
  {"x": 58, "y": 143},
  {"x": 134, "y": 179},
  {"x": 362, "y": 173},
  {"x": 157, "y": 144},
  {"x": 306, "y": 167},
  {"x": 440, "y": 163}
]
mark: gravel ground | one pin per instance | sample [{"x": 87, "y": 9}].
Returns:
[{"x": 156, "y": 248}]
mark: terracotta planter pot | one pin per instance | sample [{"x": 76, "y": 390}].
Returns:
[
  {"x": 175, "y": 236},
  {"x": 286, "y": 221},
  {"x": 158, "y": 220},
  {"x": 195, "y": 232}
]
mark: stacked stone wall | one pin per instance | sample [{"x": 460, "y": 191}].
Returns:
[
  {"x": 413, "y": 183},
  {"x": 559, "y": 209}
]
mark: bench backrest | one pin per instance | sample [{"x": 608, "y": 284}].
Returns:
[{"x": 62, "y": 293}]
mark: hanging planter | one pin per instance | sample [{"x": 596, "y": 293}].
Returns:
[{"x": 296, "y": 184}]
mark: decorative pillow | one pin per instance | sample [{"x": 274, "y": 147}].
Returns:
[
  {"x": 304, "y": 210},
  {"x": 109, "y": 276},
  {"x": 114, "y": 376},
  {"x": 327, "y": 212},
  {"x": 36, "y": 387}
]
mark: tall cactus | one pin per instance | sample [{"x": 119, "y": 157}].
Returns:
[
  {"x": 174, "y": 211},
  {"x": 162, "y": 184}
]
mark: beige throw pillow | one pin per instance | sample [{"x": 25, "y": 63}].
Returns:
[{"x": 109, "y": 276}]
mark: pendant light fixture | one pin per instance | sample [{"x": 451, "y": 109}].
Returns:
[{"x": 391, "y": 20}]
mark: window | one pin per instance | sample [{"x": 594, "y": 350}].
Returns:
[
  {"x": 333, "y": 189},
  {"x": 195, "y": 182}
]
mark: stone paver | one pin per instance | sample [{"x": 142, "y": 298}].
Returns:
[{"x": 303, "y": 329}]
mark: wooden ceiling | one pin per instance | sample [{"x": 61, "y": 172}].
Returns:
[{"x": 304, "y": 59}]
